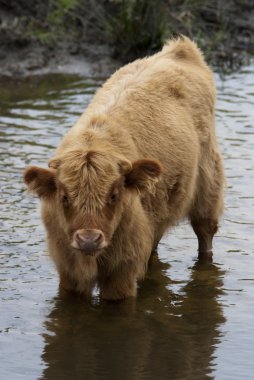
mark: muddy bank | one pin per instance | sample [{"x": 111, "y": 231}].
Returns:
[
  {"x": 37, "y": 38},
  {"x": 35, "y": 59},
  {"x": 88, "y": 37},
  {"x": 23, "y": 54}
]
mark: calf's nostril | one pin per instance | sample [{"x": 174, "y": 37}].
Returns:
[{"x": 97, "y": 238}]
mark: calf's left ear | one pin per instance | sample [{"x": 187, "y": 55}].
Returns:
[
  {"x": 143, "y": 175},
  {"x": 40, "y": 181}
]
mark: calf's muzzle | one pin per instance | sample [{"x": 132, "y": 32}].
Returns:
[{"x": 88, "y": 241}]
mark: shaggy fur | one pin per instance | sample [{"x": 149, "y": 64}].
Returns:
[{"x": 141, "y": 158}]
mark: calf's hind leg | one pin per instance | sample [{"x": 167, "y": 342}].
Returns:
[
  {"x": 205, "y": 230},
  {"x": 208, "y": 204}
]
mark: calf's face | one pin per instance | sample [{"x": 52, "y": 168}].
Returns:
[{"x": 87, "y": 193}]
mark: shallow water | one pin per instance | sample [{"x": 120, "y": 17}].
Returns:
[{"x": 189, "y": 321}]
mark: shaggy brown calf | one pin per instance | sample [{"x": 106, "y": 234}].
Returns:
[{"x": 140, "y": 159}]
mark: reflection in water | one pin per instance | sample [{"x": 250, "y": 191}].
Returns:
[{"x": 161, "y": 335}]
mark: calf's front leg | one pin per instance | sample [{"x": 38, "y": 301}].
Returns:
[
  {"x": 66, "y": 283},
  {"x": 120, "y": 284}
]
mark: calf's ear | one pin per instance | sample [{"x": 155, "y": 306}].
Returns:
[
  {"x": 143, "y": 175},
  {"x": 40, "y": 181}
]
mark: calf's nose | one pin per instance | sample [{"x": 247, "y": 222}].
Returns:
[{"x": 88, "y": 240}]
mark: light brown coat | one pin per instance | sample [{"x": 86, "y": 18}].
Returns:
[{"x": 141, "y": 158}]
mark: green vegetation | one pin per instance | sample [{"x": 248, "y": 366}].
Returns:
[
  {"x": 53, "y": 23},
  {"x": 133, "y": 28},
  {"x": 136, "y": 28}
]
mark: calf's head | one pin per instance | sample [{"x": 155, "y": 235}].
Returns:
[{"x": 87, "y": 193}]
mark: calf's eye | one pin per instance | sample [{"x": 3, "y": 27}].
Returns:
[
  {"x": 65, "y": 200},
  {"x": 114, "y": 197}
]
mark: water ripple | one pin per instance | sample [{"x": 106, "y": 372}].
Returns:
[{"x": 189, "y": 321}]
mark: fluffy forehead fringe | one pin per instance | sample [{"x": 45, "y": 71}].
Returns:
[{"x": 87, "y": 177}]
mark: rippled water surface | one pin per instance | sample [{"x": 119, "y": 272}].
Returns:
[{"x": 188, "y": 322}]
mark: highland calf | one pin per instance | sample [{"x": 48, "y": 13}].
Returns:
[{"x": 140, "y": 159}]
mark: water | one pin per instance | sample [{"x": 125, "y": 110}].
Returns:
[{"x": 188, "y": 322}]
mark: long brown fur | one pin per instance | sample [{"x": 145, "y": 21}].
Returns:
[{"x": 142, "y": 157}]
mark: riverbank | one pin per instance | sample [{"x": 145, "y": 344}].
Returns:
[{"x": 90, "y": 37}]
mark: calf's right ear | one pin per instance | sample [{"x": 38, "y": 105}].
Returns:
[{"x": 40, "y": 181}]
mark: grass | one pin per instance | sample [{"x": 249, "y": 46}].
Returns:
[{"x": 135, "y": 28}]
